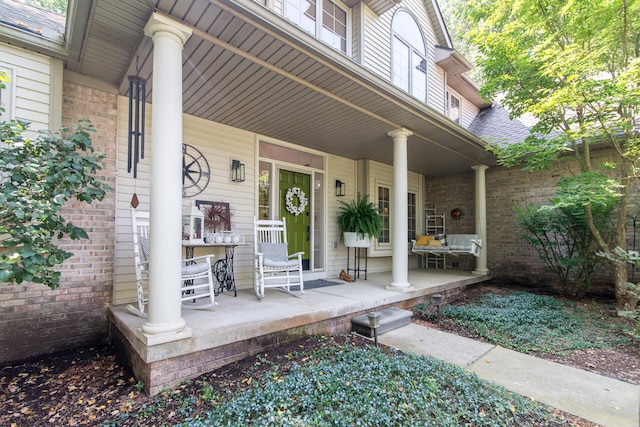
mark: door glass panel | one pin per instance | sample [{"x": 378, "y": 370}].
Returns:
[
  {"x": 264, "y": 188},
  {"x": 318, "y": 221}
]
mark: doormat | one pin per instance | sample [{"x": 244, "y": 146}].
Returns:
[{"x": 320, "y": 283}]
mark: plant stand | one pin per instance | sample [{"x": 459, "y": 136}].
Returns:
[{"x": 357, "y": 258}]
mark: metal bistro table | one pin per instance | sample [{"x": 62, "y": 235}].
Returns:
[{"x": 221, "y": 269}]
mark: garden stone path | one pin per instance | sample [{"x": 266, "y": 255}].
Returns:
[{"x": 596, "y": 398}]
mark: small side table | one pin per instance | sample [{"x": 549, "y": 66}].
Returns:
[
  {"x": 222, "y": 269},
  {"x": 357, "y": 257}
]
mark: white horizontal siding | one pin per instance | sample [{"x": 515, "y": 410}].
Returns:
[
  {"x": 469, "y": 112},
  {"x": 376, "y": 55},
  {"x": 31, "y": 98},
  {"x": 345, "y": 170}
]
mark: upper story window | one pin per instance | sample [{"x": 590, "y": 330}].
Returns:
[
  {"x": 331, "y": 28},
  {"x": 454, "y": 108},
  {"x": 408, "y": 55}
]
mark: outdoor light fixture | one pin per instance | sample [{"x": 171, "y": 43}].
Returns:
[
  {"x": 135, "y": 143},
  {"x": 437, "y": 300},
  {"x": 237, "y": 171},
  {"x": 340, "y": 188},
  {"x": 374, "y": 323}
]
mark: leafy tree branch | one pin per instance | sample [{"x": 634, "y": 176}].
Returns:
[{"x": 38, "y": 178}]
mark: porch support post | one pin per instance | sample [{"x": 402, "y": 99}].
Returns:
[
  {"x": 165, "y": 321},
  {"x": 400, "y": 227},
  {"x": 481, "y": 218}
]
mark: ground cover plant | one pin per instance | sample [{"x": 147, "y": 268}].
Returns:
[
  {"x": 346, "y": 386},
  {"x": 527, "y": 323}
]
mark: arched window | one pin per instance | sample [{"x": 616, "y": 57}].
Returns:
[{"x": 408, "y": 55}]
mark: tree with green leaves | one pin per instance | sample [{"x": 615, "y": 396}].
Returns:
[
  {"x": 575, "y": 66},
  {"x": 57, "y": 6},
  {"x": 37, "y": 178}
]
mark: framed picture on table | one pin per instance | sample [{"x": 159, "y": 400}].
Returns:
[{"x": 217, "y": 215}]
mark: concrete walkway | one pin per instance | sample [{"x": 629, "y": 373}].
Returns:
[{"x": 596, "y": 398}]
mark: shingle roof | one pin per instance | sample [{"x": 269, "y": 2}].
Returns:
[
  {"x": 32, "y": 19},
  {"x": 493, "y": 123}
]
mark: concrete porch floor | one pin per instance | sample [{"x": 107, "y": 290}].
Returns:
[{"x": 243, "y": 326}]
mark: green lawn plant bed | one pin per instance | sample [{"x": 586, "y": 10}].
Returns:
[
  {"x": 350, "y": 386},
  {"x": 531, "y": 323}
]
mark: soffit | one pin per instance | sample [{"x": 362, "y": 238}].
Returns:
[{"x": 247, "y": 67}]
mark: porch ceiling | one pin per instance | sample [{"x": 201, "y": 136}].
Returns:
[{"x": 247, "y": 67}]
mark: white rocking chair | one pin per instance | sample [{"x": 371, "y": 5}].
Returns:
[
  {"x": 196, "y": 277},
  {"x": 275, "y": 268}
]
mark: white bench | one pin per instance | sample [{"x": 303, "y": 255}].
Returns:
[{"x": 455, "y": 244}]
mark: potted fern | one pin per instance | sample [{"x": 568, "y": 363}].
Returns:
[{"x": 359, "y": 221}]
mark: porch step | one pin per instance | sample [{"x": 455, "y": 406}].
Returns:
[{"x": 390, "y": 318}]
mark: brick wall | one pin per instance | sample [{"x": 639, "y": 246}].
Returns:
[
  {"x": 510, "y": 259},
  {"x": 36, "y": 320}
]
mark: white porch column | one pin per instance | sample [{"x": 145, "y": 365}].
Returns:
[
  {"x": 481, "y": 218},
  {"x": 165, "y": 321},
  {"x": 399, "y": 230}
]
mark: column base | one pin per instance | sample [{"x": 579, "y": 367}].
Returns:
[
  {"x": 481, "y": 272},
  {"x": 400, "y": 287},
  {"x": 165, "y": 337}
]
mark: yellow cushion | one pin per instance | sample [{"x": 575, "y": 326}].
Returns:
[
  {"x": 422, "y": 240},
  {"x": 434, "y": 242}
]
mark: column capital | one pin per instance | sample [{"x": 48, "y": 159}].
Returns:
[
  {"x": 159, "y": 22},
  {"x": 400, "y": 132},
  {"x": 480, "y": 167}
]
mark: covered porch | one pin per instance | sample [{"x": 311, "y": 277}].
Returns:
[{"x": 243, "y": 326}]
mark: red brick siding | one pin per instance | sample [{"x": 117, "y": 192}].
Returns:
[{"x": 35, "y": 320}]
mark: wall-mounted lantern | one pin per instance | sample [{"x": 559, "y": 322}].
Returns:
[
  {"x": 340, "y": 188},
  {"x": 237, "y": 171}
]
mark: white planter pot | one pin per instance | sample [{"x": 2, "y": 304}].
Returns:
[{"x": 354, "y": 240}]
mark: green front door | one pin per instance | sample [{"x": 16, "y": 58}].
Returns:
[{"x": 298, "y": 221}]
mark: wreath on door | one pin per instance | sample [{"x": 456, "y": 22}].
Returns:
[{"x": 293, "y": 208}]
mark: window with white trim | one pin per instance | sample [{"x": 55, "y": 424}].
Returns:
[
  {"x": 408, "y": 55},
  {"x": 455, "y": 112},
  {"x": 6, "y": 95},
  {"x": 332, "y": 28},
  {"x": 384, "y": 204},
  {"x": 412, "y": 222}
]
